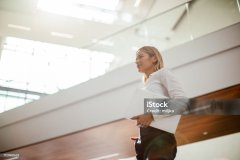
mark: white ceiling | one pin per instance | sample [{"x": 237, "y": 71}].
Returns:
[
  {"x": 153, "y": 23},
  {"x": 25, "y": 13}
]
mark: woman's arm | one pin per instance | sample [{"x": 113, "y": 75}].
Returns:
[
  {"x": 170, "y": 82},
  {"x": 175, "y": 91}
]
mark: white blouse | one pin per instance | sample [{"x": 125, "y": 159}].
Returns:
[{"x": 163, "y": 82}]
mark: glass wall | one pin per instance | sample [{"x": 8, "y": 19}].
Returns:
[{"x": 174, "y": 27}]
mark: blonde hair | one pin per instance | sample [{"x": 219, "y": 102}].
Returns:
[{"x": 152, "y": 51}]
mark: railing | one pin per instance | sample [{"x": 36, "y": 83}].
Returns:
[{"x": 168, "y": 29}]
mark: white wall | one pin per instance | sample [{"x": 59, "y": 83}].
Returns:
[{"x": 204, "y": 65}]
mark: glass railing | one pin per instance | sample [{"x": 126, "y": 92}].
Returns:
[{"x": 168, "y": 29}]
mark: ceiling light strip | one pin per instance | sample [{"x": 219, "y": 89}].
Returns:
[
  {"x": 19, "y": 27},
  {"x": 63, "y": 35}
]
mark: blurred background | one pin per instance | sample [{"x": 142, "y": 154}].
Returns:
[{"x": 67, "y": 73}]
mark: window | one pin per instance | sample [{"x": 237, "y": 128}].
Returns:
[{"x": 31, "y": 69}]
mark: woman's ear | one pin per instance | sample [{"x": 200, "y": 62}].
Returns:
[{"x": 154, "y": 59}]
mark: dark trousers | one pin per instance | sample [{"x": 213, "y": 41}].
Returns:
[{"x": 155, "y": 144}]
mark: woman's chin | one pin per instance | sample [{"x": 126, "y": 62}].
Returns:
[{"x": 139, "y": 70}]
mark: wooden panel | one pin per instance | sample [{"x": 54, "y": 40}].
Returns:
[
  {"x": 192, "y": 127},
  {"x": 98, "y": 141},
  {"x": 195, "y": 128},
  {"x": 226, "y": 93},
  {"x": 115, "y": 137}
]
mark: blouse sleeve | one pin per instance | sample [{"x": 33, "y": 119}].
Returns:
[
  {"x": 173, "y": 87},
  {"x": 170, "y": 82}
]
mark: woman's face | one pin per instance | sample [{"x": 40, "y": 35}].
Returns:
[{"x": 145, "y": 63}]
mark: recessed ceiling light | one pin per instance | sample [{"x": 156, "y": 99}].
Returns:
[
  {"x": 94, "y": 10},
  {"x": 19, "y": 27},
  {"x": 205, "y": 133},
  {"x": 103, "y": 42},
  {"x": 63, "y": 35}
]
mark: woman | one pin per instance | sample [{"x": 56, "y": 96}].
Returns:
[{"x": 154, "y": 143}]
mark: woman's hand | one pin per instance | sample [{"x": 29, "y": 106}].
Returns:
[{"x": 143, "y": 120}]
